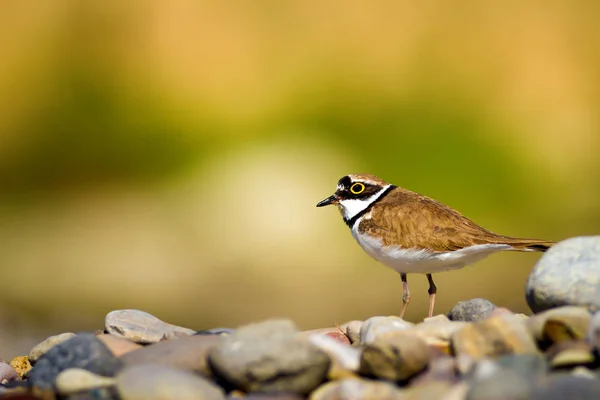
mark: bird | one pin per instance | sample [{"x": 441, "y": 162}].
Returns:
[{"x": 412, "y": 233}]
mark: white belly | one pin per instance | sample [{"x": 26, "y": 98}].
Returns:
[{"x": 423, "y": 261}]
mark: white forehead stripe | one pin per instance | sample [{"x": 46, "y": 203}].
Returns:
[{"x": 352, "y": 207}]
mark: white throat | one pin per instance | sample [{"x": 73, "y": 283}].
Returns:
[{"x": 350, "y": 208}]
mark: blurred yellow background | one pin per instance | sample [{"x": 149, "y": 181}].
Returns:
[{"x": 168, "y": 156}]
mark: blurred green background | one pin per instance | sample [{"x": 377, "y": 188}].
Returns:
[{"x": 168, "y": 156}]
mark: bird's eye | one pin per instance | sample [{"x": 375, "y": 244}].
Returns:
[{"x": 357, "y": 188}]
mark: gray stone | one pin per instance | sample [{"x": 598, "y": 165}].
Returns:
[
  {"x": 141, "y": 327},
  {"x": 524, "y": 364},
  {"x": 572, "y": 263},
  {"x": 269, "y": 357},
  {"x": 503, "y": 384},
  {"x": 186, "y": 353},
  {"x": 82, "y": 351},
  {"x": 75, "y": 380},
  {"x": 375, "y": 326},
  {"x": 471, "y": 310},
  {"x": 561, "y": 387},
  {"x": 394, "y": 357},
  {"x": 357, "y": 389},
  {"x": 42, "y": 348},
  {"x": 494, "y": 337},
  {"x": 156, "y": 382}
]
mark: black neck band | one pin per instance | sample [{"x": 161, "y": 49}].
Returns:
[{"x": 350, "y": 222}]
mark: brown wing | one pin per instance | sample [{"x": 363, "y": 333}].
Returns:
[{"x": 415, "y": 221}]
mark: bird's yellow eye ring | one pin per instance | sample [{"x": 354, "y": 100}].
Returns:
[{"x": 357, "y": 188}]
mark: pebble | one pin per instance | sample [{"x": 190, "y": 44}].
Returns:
[
  {"x": 440, "y": 369},
  {"x": 42, "y": 348},
  {"x": 394, "y": 357},
  {"x": 357, "y": 389},
  {"x": 561, "y": 387},
  {"x": 563, "y": 323},
  {"x": 352, "y": 330},
  {"x": 345, "y": 359},
  {"x": 494, "y": 337},
  {"x": 375, "y": 326},
  {"x": 159, "y": 382},
  {"x": 186, "y": 353},
  {"x": 572, "y": 263},
  {"x": 268, "y": 357},
  {"x": 118, "y": 346},
  {"x": 82, "y": 351},
  {"x": 7, "y": 373},
  {"x": 74, "y": 380},
  {"x": 568, "y": 354},
  {"x": 593, "y": 334},
  {"x": 142, "y": 327},
  {"x": 336, "y": 334},
  {"x": 504, "y": 384},
  {"x": 215, "y": 331},
  {"x": 533, "y": 365},
  {"x": 471, "y": 310},
  {"x": 21, "y": 365},
  {"x": 273, "y": 396}
]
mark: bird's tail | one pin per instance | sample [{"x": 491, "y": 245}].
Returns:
[{"x": 529, "y": 244}]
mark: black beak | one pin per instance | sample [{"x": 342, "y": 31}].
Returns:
[{"x": 330, "y": 200}]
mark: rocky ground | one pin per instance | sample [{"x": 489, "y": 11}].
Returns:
[{"x": 476, "y": 351}]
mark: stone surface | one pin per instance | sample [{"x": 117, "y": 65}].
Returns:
[
  {"x": 352, "y": 330},
  {"x": 503, "y": 384},
  {"x": 563, "y": 323},
  {"x": 43, "y": 347},
  {"x": 494, "y": 337},
  {"x": 156, "y": 382},
  {"x": 524, "y": 364},
  {"x": 142, "y": 327},
  {"x": 118, "y": 346},
  {"x": 21, "y": 365},
  {"x": 357, "y": 389},
  {"x": 375, "y": 326},
  {"x": 269, "y": 357},
  {"x": 215, "y": 331},
  {"x": 7, "y": 373},
  {"x": 75, "y": 380},
  {"x": 345, "y": 359},
  {"x": 440, "y": 369},
  {"x": 568, "y": 354},
  {"x": 273, "y": 396},
  {"x": 593, "y": 334},
  {"x": 186, "y": 353},
  {"x": 394, "y": 357},
  {"x": 471, "y": 310},
  {"x": 82, "y": 351},
  {"x": 572, "y": 263},
  {"x": 336, "y": 334},
  {"x": 562, "y": 387}
]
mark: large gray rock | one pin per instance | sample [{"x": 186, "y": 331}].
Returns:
[
  {"x": 141, "y": 327},
  {"x": 572, "y": 263},
  {"x": 269, "y": 357}
]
